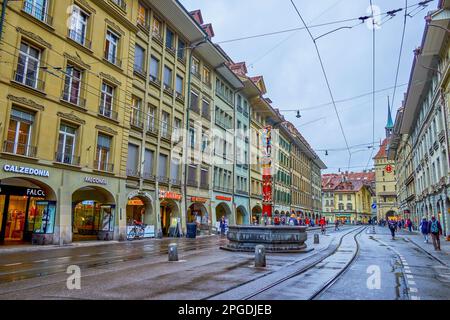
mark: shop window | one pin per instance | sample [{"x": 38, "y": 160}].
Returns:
[{"x": 90, "y": 218}]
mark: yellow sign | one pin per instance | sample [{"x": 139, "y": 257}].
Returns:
[{"x": 135, "y": 202}]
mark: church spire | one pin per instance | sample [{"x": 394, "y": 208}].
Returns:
[{"x": 390, "y": 124}]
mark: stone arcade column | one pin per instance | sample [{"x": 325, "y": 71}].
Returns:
[{"x": 63, "y": 224}]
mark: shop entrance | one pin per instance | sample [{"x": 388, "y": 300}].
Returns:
[
  {"x": 241, "y": 215},
  {"x": 27, "y": 211},
  {"x": 93, "y": 214},
  {"x": 170, "y": 218},
  {"x": 139, "y": 210},
  {"x": 197, "y": 213},
  {"x": 256, "y": 215}
]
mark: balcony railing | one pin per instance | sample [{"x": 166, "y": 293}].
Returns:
[
  {"x": 133, "y": 173},
  {"x": 168, "y": 89},
  {"x": 108, "y": 113},
  {"x": 157, "y": 37},
  {"x": 29, "y": 81},
  {"x": 175, "y": 182},
  {"x": 79, "y": 38},
  {"x": 179, "y": 97},
  {"x": 204, "y": 185},
  {"x": 21, "y": 149},
  {"x": 121, "y": 4},
  {"x": 103, "y": 166},
  {"x": 166, "y": 134},
  {"x": 223, "y": 189},
  {"x": 67, "y": 159},
  {"x": 152, "y": 130},
  {"x": 192, "y": 183},
  {"x": 163, "y": 180},
  {"x": 112, "y": 58},
  {"x": 222, "y": 124},
  {"x": 135, "y": 120},
  {"x": 242, "y": 192},
  {"x": 155, "y": 81},
  {"x": 195, "y": 108},
  {"x": 75, "y": 100},
  {"x": 39, "y": 12},
  {"x": 196, "y": 74},
  {"x": 149, "y": 176}
]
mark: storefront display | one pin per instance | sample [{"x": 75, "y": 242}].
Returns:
[
  {"x": 23, "y": 215},
  {"x": 91, "y": 218}
]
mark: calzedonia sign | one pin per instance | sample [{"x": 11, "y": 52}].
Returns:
[{"x": 26, "y": 170}]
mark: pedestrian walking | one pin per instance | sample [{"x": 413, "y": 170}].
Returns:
[
  {"x": 409, "y": 224},
  {"x": 393, "y": 228},
  {"x": 424, "y": 229},
  {"x": 435, "y": 228},
  {"x": 336, "y": 225},
  {"x": 322, "y": 224},
  {"x": 222, "y": 225}
]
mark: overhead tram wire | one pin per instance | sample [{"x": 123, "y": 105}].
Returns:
[
  {"x": 373, "y": 83},
  {"x": 326, "y": 78},
  {"x": 400, "y": 53},
  {"x": 362, "y": 18},
  {"x": 120, "y": 104}
]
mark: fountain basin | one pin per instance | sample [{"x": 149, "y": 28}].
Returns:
[{"x": 276, "y": 239}]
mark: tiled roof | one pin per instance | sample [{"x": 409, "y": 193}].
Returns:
[{"x": 382, "y": 152}]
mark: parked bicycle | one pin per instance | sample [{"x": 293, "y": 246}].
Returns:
[{"x": 137, "y": 231}]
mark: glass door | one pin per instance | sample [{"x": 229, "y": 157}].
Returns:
[
  {"x": 2, "y": 208},
  {"x": 15, "y": 222}
]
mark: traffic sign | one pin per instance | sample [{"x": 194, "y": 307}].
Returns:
[{"x": 374, "y": 206}]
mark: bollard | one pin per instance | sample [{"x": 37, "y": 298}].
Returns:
[
  {"x": 173, "y": 252},
  {"x": 316, "y": 238},
  {"x": 260, "y": 256}
]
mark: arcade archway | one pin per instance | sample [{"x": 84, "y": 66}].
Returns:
[
  {"x": 27, "y": 210},
  {"x": 257, "y": 215},
  {"x": 93, "y": 214},
  {"x": 241, "y": 215},
  {"x": 170, "y": 217}
]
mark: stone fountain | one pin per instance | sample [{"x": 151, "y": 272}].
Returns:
[{"x": 276, "y": 239}]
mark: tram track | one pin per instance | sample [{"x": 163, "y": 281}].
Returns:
[
  {"x": 32, "y": 271},
  {"x": 292, "y": 275}
]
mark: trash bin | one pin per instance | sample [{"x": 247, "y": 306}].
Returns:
[{"x": 191, "y": 231}]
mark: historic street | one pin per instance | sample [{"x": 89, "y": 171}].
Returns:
[{"x": 140, "y": 270}]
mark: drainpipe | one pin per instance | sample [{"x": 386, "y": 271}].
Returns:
[
  {"x": 2, "y": 17},
  {"x": 444, "y": 111}
]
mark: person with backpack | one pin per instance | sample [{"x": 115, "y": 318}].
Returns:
[
  {"x": 392, "y": 227},
  {"x": 435, "y": 228},
  {"x": 424, "y": 229}
]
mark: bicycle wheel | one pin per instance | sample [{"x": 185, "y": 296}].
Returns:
[{"x": 131, "y": 235}]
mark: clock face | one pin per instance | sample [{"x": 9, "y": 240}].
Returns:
[{"x": 388, "y": 168}]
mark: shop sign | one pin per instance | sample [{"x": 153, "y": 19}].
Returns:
[
  {"x": 135, "y": 202},
  {"x": 96, "y": 180},
  {"x": 222, "y": 198},
  {"x": 163, "y": 194},
  {"x": 199, "y": 200},
  {"x": 26, "y": 170},
  {"x": 20, "y": 191}
]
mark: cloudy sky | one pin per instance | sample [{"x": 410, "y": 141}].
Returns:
[{"x": 292, "y": 72}]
